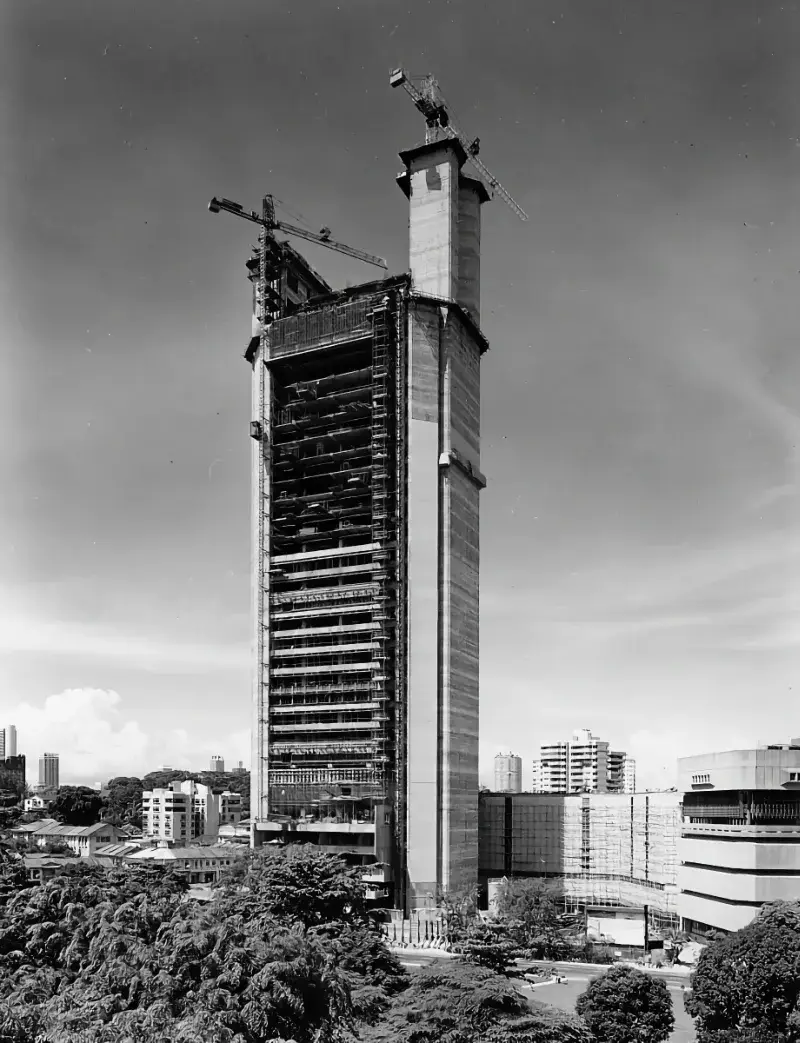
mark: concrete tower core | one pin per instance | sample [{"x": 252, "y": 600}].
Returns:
[{"x": 366, "y": 465}]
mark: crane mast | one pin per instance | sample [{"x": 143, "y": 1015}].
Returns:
[{"x": 439, "y": 123}]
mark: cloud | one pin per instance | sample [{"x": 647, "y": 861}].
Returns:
[
  {"x": 28, "y": 633},
  {"x": 96, "y": 739}
]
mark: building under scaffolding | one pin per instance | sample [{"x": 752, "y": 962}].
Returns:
[
  {"x": 611, "y": 850},
  {"x": 366, "y": 408}
]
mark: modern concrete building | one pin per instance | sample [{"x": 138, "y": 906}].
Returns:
[
  {"x": 507, "y": 773},
  {"x": 48, "y": 772},
  {"x": 366, "y": 481},
  {"x": 628, "y": 774},
  {"x": 8, "y": 742},
  {"x": 740, "y": 835},
  {"x": 584, "y": 764},
  {"x": 230, "y": 808},
  {"x": 185, "y": 811},
  {"x": 609, "y": 850},
  {"x": 217, "y": 763}
]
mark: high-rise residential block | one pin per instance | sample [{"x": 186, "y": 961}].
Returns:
[
  {"x": 507, "y": 773},
  {"x": 181, "y": 812},
  {"x": 48, "y": 772},
  {"x": 366, "y": 482},
  {"x": 584, "y": 764},
  {"x": 11, "y": 741},
  {"x": 217, "y": 763}
]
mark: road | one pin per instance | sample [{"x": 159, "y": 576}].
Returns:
[{"x": 564, "y": 996}]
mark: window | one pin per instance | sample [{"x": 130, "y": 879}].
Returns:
[
  {"x": 702, "y": 779},
  {"x": 794, "y": 776}
]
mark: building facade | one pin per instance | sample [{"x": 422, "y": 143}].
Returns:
[
  {"x": 218, "y": 763},
  {"x": 740, "y": 835},
  {"x": 584, "y": 764},
  {"x": 608, "y": 850},
  {"x": 182, "y": 812},
  {"x": 230, "y": 808},
  {"x": 48, "y": 772},
  {"x": 507, "y": 773},
  {"x": 8, "y": 742},
  {"x": 366, "y": 480},
  {"x": 14, "y": 769}
]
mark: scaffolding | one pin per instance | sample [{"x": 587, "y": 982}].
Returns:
[
  {"x": 330, "y": 560},
  {"x": 613, "y": 850}
]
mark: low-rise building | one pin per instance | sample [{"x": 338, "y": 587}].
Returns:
[
  {"x": 200, "y": 865},
  {"x": 740, "y": 835},
  {"x": 83, "y": 841},
  {"x": 605, "y": 849}
]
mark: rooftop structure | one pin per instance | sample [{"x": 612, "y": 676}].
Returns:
[{"x": 740, "y": 836}]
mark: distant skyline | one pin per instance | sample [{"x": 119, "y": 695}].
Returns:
[{"x": 641, "y": 397}]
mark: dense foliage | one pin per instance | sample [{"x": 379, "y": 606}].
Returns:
[
  {"x": 747, "y": 985},
  {"x": 233, "y": 781},
  {"x": 112, "y": 956},
  {"x": 488, "y": 945},
  {"x": 77, "y": 805},
  {"x": 533, "y": 911},
  {"x": 453, "y": 1002},
  {"x": 625, "y": 1005},
  {"x": 123, "y": 801}
]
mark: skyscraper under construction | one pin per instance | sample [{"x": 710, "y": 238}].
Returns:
[{"x": 366, "y": 483}]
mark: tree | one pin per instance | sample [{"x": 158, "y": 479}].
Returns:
[
  {"x": 534, "y": 911},
  {"x": 77, "y": 805},
  {"x": 747, "y": 985},
  {"x": 123, "y": 801},
  {"x": 625, "y": 1005},
  {"x": 454, "y": 1002},
  {"x": 459, "y": 911},
  {"x": 488, "y": 945},
  {"x": 300, "y": 884},
  {"x": 97, "y": 956}
]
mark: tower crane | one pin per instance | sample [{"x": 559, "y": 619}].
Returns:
[
  {"x": 428, "y": 98},
  {"x": 269, "y": 223}
]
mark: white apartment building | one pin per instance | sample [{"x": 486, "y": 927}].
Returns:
[
  {"x": 230, "y": 808},
  {"x": 584, "y": 764},
  {"x": 740, "y": 836},
  {"x": 183, "y": 812}
]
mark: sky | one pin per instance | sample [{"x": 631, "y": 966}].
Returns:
[{"x": 641, "y": 397}]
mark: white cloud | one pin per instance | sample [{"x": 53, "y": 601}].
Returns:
[
  {"x": 96, "y": 739},
  {"x": 30, "y": 633}
]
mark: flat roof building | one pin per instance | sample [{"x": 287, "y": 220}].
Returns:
[
  {"x": 604, "y": 849},
  {"x": 740, "y": 834}
]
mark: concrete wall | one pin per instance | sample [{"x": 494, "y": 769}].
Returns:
[
  {"x": 460, "y": 609},
  {"x": 259, "y": 573},
  {"x": 443, "y": 523},
  {"x": 740, "y": 770},
  {"x": 423, "y": 603}
]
